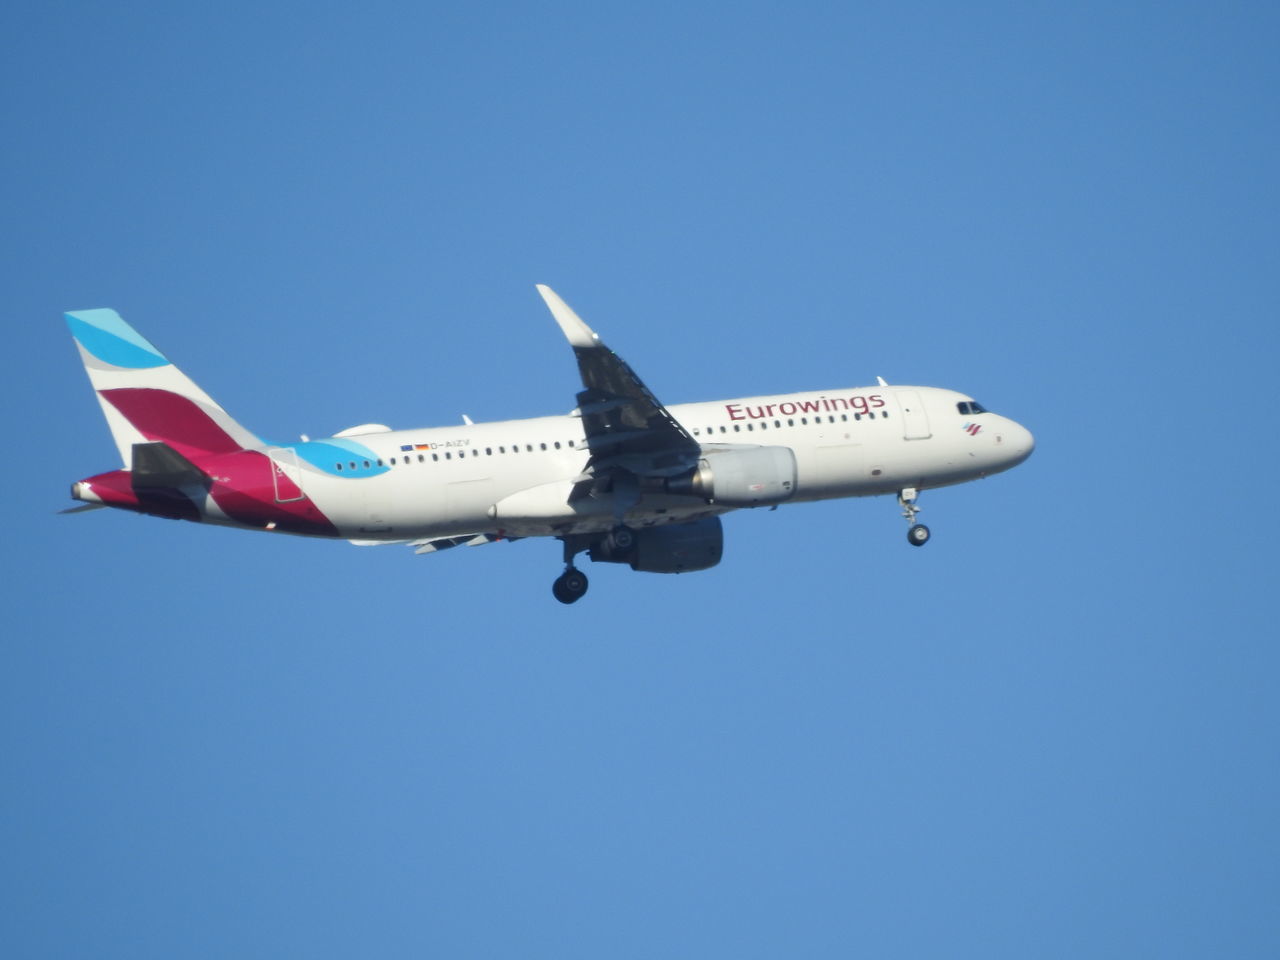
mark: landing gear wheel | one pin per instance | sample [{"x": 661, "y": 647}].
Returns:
[
  {"x": 917, "y": 533},
  {"x": 619, "y": 545},
  {"x": 570, "y": 586}
]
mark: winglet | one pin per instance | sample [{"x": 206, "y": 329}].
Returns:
[{"x": 577, "y": 332}]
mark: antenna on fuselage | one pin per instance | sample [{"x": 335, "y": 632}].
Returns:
[{"x": 880, "y": 380}]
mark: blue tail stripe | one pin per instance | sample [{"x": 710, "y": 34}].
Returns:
[{"x": 113, "y": 341}]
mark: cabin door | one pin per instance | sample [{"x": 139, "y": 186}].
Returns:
[
  {"x": 286, "y": 475},
  {"x": 915, "y": 422}
]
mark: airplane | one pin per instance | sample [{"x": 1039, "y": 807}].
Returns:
[{"x": 621, "y": 478}]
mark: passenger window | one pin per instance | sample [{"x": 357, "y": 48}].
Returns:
[
  {"x": 736, "y": 428},
  {"x": 422, "y": 458},
  {"x": 777, "y": 424},
  {"x": 557, "y": 444},
  {"x": 543, "y": 446},
  {"x": 791, "y": 423},
  {"x": 379, "y": 463},
  {"x": 571, "y": 443},
  {"x": 750, "y": 427},
  {"x": 353, "y": 464},
  {"x": 338, "y": 465}
]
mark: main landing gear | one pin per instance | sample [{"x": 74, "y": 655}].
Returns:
[
  {"x": 613, "y": 547},
  {"x": 917, "y": 533},
  {"x": 570, "y": 586}
]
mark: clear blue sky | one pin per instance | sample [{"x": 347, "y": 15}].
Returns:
[{"x": 1053, "y": 732}]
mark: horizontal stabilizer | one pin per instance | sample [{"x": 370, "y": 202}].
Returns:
[{"x": 82, "y": 508}]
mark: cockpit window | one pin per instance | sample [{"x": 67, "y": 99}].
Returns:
[{"x": 970, "y": 407}]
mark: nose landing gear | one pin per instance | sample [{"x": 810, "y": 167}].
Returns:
[{"x": 917, "y": 533}]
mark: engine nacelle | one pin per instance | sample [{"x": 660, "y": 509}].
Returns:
[
  {"x": 741, "y": 478},
  {"x": 672, "y": 548}
]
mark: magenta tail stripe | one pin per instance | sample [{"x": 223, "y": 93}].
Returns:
[{"x": 179, "y": 422}]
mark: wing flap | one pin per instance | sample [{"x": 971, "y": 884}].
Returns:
[{"x": 448, "y": 543}]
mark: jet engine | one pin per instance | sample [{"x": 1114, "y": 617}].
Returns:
[
  {"x": 672, "y": 548},
  {"x": 750, "y": 477}
]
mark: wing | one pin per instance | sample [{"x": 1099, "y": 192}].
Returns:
[
  {"x": 439, "y": 543},
  {"x": 445, "y": 543},
  {"x": 627, "y": 428}
]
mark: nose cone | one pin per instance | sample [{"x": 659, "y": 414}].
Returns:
[{"x": 1018, "y": 443}]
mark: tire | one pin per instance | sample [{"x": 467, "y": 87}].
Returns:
[
  {"x": 918, "y": 535},
  {"x": 570, "y": 586},
  {"x": 624, "y": 538},
  {"x": 575, "y": 582}
]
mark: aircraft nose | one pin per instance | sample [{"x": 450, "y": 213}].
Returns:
[{"x": 1018, "y": 442}]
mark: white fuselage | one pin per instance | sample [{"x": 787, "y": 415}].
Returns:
[
  {"x": 623, "y": 478},
  {"x": 513, "y": 477}
]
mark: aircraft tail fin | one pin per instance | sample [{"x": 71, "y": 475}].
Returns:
[{"x": 145, "y": 398}]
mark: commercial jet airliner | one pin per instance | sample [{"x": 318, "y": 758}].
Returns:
[{"x": 621, "y": 478}]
